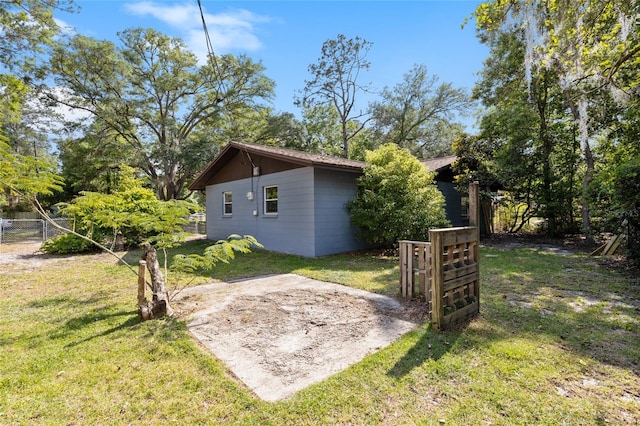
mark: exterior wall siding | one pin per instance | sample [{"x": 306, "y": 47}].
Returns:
[
  {"x": 334, "y": 232},
  {"x": 290, "y": 231},
  {"x": 453, "y": 204}
]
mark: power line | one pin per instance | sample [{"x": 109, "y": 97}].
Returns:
[{"x": 212, "y": 55}]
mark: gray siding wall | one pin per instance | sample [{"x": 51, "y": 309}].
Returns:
[
  {"x": 453, "y": 204},
  {"x": 334, "y": 233},
  {"x": 290, "y": 231}
]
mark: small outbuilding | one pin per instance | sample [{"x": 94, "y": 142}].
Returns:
[
  {"x": 290, "y": 201},
  {"x": 295, "y": 202}
]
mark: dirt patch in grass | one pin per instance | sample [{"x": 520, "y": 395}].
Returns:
[
  {"x": 281, "y": 333},
  {"x": 24, "y": 257}
]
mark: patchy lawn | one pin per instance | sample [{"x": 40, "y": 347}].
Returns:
[{"x": 557, "y": 342}]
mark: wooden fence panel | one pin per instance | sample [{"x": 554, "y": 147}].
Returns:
[
  {"x": 415, "y": 269},
  {"x": 447, "y": 269},
  {"x": 455, "y": 278}
]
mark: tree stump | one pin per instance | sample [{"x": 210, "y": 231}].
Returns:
[{"x": 159, "y": 305}]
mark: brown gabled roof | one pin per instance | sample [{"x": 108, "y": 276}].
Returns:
[
  {"x": 291, "y": 156},
  {"x": 438, "y": 164}
]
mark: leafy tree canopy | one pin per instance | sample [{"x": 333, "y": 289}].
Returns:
[
  {"x": 416, "y": 114},
  {"x": 131, "y": 214},
  {"x": 589, "y": 48},
  {"x": 151, "y": 93},
  {"x": 27, "y": 26}
]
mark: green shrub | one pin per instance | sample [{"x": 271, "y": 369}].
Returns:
[
  {"x": 396, "y": 198},
  {"x": 67, "y": 244}
]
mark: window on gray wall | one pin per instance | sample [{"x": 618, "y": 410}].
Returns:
[
  {"x": 227, "y": 203},
  {"x": 271, "y": 200}
]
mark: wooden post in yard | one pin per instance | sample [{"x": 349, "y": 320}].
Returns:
[
  {"x": 159, "y": 305},
  {"x": 142, "y": 272},
  {"x": 144, "y": 313},
  {"x": 474, "y": 206},
  {"x": 437, "y": 279},
  {"x": 474, "y": 220}
]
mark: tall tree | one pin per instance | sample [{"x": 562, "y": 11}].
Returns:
[
  {"x": 27, "y": 27},
  {"x": 151, "y": 93},
  {"x": 23, "y": 124},
  {"x": 91, "y": 162},
  {"x": 416, "y": 113},
  {"x": 615, "y": 190},
  {"x": 286, "y": 131},
  {"x": 322, "y": 124},
  {"x": 590, "y": 45},
  {"x": 335, "y": 82},
  {"x": 530, "y": 134}
]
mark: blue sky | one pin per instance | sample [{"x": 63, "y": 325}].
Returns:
[{"x": 286, "y": 36}]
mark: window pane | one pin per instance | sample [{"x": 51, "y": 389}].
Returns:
[
  {"x": 227, "y": 206},
  {"x": 271, "y": 192},
  {"x": 271, "y": 206},
  {"x": 270, "y": 199}
]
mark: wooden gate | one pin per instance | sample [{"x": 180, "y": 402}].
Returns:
[{"x": 445, "y": 271}]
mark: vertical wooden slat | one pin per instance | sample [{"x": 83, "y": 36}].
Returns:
[
  {"x": 474, "y": 200},
  {"x": 428, "y": 273},
  {"x": 403, "y": 268},
  {"x": 422, "y": 248},
  {"x": 474, "y": 205},
  {"x": 437, "y": 254},
  {"x": 411, "y": 248}
]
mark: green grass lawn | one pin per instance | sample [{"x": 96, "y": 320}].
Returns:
[{"x": 557, "y": 342}]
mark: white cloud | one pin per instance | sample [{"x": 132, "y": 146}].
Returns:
[
  {"x": 231, "y": 30},
  {"x": 65, "y": 28}
]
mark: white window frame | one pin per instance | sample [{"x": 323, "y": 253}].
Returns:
[
  {"x": 226, "y": 203},
  {"x": 269, "y": 200}
]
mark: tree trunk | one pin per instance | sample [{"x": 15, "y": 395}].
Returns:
[
  {"x": 588, "y": 176},
  {"x": 159, "y": 305},
  {"x": 579, "y": 112}
]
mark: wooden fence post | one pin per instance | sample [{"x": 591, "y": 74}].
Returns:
[
  {"x": 437, "y": 279},
  {"x": 474, "y": 205},
  {"x": 474, "y": 220},
  {"x": 405, "y": 267}
]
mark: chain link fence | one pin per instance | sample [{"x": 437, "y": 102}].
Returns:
[
  {"x": 30, "y": 230},
  {"x": 38, "y": 230}
]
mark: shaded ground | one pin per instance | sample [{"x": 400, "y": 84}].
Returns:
[{"x": 281, "y": 333}]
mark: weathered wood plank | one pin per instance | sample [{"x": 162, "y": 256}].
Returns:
[
  {"x": 415, "y": 264},
  {"x": 422, "y": 272},
  {"x": 437, "y": 266},
  {"x": 461, "y": 314},
  {"x": 452, "y": 274},
  {"x": 454, "y": 236},
  {"x": 460, "y": 281}
]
